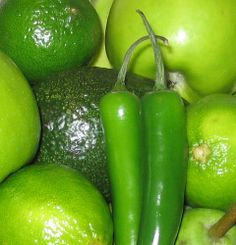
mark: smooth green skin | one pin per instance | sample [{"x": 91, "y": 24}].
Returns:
[
  {"x": 19, "y": 119},
  {"x": 121, "y": 120},
  {"x": 211, "y": 182},
  {"x": 52, "y": 204},
  {"x": 201, "y": 38},
  {"x": 44, "y": 37},
  {"x": 165, "y": 139},
  {"x": 102, "y": 7},
  {"x": 195, "y": 225}
]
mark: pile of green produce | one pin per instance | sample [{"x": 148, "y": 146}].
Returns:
[
  {"x": 117, "y": 122},
  {"x": 71, "y": 129}
]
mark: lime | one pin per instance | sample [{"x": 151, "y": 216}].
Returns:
[
  {"x": 52, "y": 204},
  {"x": 211, "y": 177},
  {"x": 44, "y": 37},
  {"x": 19, "y": 119}
]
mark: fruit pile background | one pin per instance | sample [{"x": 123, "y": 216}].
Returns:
[{"x": 58, "y": 59}]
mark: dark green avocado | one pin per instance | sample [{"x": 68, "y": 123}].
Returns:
[{"x": 71, "y": 129}]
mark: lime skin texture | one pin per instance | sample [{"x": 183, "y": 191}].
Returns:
[
  {"x": 44, "y": 37},
  {"x": 212, "y": 152},
  {"x": 52, "y": 204}
]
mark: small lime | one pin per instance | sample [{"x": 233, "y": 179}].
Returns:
[
  {"x": 52, "y": 204},
  {"x": 44, "y": 37},
  {"x": 211, "y": 177}
]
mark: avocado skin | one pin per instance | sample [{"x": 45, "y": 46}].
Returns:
[{"x": 71, "y": 129}]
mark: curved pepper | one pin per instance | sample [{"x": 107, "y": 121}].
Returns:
[
  {"x": 120, "y": 112},
  {"x": 165, "y": 144}
]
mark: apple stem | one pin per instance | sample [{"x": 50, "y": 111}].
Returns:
[
  {"x": 221, "y": 227},
  {"x": 178, "y": 83}
]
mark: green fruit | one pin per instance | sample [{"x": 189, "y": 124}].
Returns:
[
  {"x": 52, "y": 204},
  {"x": 212, "y": 152},
  {"x": 72, "y": 132},
  {"x": 102, "y": 7},
  {"x": 201, "y": 38},
  {"x": 44, "y": 37},
  {"x": 19, "y": 119},
  {"x": 195, "y": 227}
]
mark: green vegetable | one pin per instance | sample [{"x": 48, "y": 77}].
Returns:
[
  {"x": 121, "y": 120},
  {"x": 165, "y": 148},
  {"x": 71, "y": 128}
]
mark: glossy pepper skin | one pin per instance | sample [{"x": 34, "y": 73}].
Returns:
[
  {"x": 120, "y": 112},
  {"x": 164, "y": 124},
  {"x": 165, "y": 152},
  {"x": 121, "y": 120}
]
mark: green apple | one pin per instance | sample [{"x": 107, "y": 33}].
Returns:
[
  {"x": 19, "y": 119},
  {"x": 201, "y": 38},
  {"x": 102, "y": 7},
  {"x": 197, "y": 224}
]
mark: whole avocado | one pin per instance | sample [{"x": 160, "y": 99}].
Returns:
[{"x": 71, "y": 129}]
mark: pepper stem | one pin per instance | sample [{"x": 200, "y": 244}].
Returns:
[
  {"x": 120, "y": 83},
  {"x": 221, "y": 227},
  {"x": 160, "y": 78}
]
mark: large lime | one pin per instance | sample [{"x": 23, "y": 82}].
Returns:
[
  {"x": 44, "y": 37},
  {"x": 211, "y": 178},
  {"x": 52, "y": 204},
  {"x": 19, "y": 119}
]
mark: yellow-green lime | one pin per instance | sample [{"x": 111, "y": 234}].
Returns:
[
  {"x": 44, "y": 37},
  {"x": 19, "y": 119},
  {"x": 52, "y": 204},
  {"x": 211, "y": 177}
]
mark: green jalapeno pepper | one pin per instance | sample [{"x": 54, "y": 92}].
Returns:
[
  {"x": 165, "y": 144},
  {"x": 161, "y": 113},
  {"x": 122, "y": 125},
  {"x": 121, "y": 120}
]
